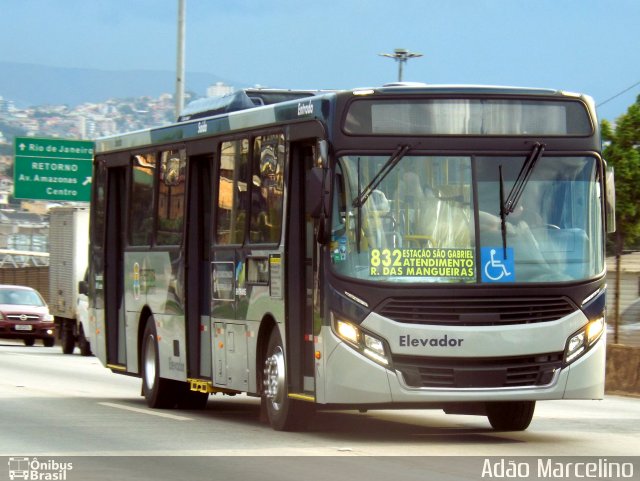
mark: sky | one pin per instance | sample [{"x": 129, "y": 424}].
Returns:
[{"x": 588, "y": 46}]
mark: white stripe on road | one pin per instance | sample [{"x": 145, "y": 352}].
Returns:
[{"x": 147, "y": 411}]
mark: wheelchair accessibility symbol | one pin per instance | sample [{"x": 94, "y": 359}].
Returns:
[{"x": 495, "y": 267}]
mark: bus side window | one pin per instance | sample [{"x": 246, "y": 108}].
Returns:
[
  {"x": 267, "y": 189},
  {"x": 171, "y": 197},
  {"x": 142, "y": 188},
  {"x": 232, "y": 192}
]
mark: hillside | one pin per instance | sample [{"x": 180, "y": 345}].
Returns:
[{"x": 29, "y": 84}]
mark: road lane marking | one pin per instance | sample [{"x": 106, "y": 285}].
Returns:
[{"x": 175, "y": 417}]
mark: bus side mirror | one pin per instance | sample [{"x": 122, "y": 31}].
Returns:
[
  {"x": 317, "y": 201},
  {"x": 317, "y": 193},
  {"x": 83, "y": 288},
  {"x": 610, "y": 200}
]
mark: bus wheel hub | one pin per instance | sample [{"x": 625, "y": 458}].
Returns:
[{"x": 274, "y": 387}]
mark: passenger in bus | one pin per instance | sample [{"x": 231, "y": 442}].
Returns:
[
  {"x": 413, "y": 197},
  {"x": 411, "y": 190},
  {"x": 433, "y": 219},
  {"x": 378, "y": 221},
  {"x": 523, "y": 237},
  {"x": 448, "y": 222},
  {"x": 379, "y": 202}
]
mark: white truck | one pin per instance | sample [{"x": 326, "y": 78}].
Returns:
[{"x": 68, "y": 260}]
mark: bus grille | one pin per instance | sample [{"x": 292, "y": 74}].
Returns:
[
  {"x": 508, "y": 372},
  {"x": 462, "y": 311}
]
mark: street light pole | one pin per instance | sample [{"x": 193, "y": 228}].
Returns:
[
  {"x": 180, "y": 59},
  {"x": 401, "y": 56}
]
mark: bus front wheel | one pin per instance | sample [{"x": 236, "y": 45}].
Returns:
[
  {"x": 158, "y": 392},
  {"x": 510, "y": 415},
  {"x": 83, "y": 343},
  {"x": 284, "y": 413}
]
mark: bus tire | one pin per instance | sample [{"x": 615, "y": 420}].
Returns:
[
  {"x": 83, "y": 343},
  {"x": 283, "y": 413},
  {"x": 159, "y": 393},
  {"x": 510, "y": 415}
]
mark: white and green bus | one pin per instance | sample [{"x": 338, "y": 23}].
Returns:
[{"x": 408, "y": 246}]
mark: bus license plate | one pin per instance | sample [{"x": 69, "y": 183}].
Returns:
[{"x": 24, "y": 327}]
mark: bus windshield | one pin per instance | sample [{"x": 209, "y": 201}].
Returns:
[{"x": 437, "y": 219}]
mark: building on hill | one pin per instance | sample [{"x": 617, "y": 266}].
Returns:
[{"x": 23, "y": 230}]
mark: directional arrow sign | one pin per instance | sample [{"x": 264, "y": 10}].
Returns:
[{"x": 52, "y": 169}]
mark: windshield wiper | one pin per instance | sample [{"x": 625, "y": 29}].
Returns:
[
  {"x": 388, "y": 166},
  {"x": 523, "y": 177},
  {"x": 508, "y": 206},
  {"x": 503, "y": 215}
]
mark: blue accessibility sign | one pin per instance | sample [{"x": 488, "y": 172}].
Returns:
[{"x": 496, "y": 266}]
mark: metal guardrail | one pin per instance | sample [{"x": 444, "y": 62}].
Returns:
[
  {"x": 17, "y": 258},
  {"x": 36, "y": 277}
]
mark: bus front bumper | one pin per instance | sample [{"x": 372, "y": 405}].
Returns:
[{"x": 348, "y": 377}]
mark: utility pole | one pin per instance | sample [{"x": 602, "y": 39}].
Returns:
[
  {"x": 401, "y": 55},
  {"x": 180, "y": 59}
]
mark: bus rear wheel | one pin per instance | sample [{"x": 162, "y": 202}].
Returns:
[
  {"x": 158, "y": 392},
  {"x": 284, "y": 413},
  {"x": 510, "y": 415}
]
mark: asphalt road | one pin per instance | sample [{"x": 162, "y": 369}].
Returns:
[{"x": 54, "y": 406}]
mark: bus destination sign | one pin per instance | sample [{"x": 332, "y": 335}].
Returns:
[{"x": 53, "y": 169}]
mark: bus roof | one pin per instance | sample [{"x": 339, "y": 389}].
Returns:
[
  {"x": 240, "y": 100},
  {"x": 464, "y": 89},
  {"x": 259, "y": 107}
]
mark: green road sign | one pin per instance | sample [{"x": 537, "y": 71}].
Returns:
[{"x": 52, "y": 169}]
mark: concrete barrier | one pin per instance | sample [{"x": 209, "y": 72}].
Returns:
[{"x": 623, "y": 370}]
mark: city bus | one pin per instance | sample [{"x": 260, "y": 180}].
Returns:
[{"x": 407, "y": 246}]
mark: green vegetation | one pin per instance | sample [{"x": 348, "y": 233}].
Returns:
[{"x": 622, "y": 151}]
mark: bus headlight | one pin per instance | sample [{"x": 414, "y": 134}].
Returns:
[
  {"x": 581, "y": 341},
  {"x": 595, "y": 330},
  {"x": 347, "y": 331},
  {"x": 366, "y": 343}
]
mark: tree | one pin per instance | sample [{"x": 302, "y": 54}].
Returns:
[{"x": 623, "y": 153}]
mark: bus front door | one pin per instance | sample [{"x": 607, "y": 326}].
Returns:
[
  {"x": 301, "y": 270},
  {"x": 114, "y": 267}
]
